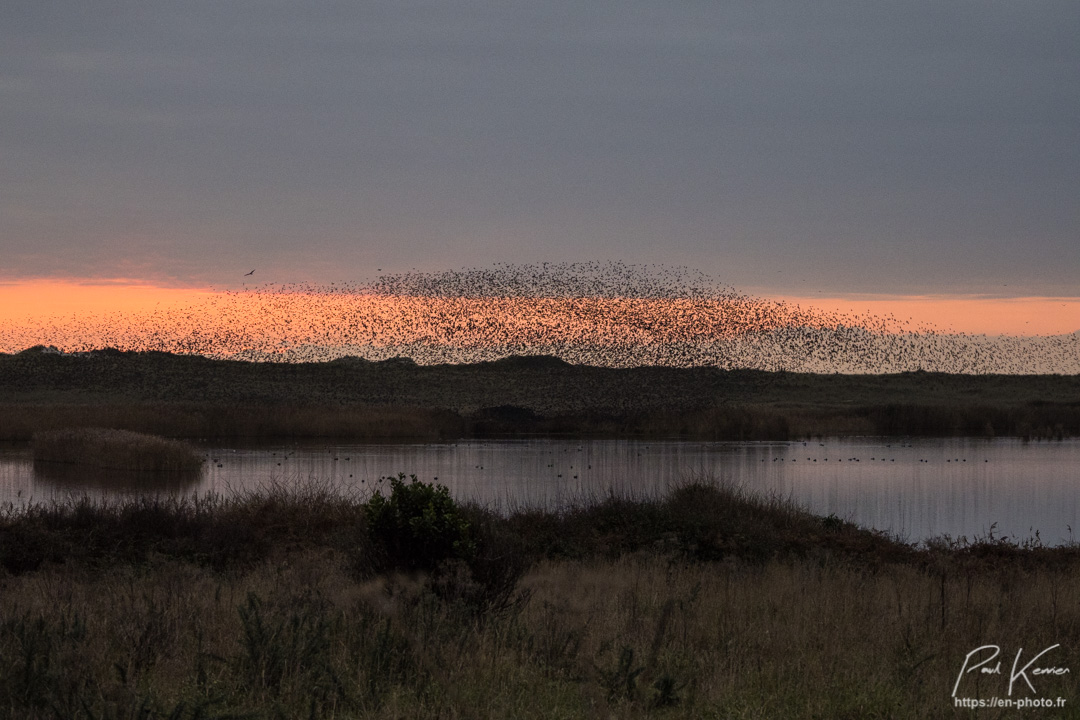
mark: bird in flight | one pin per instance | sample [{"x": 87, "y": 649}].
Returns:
[{"x": 250, "y": 273}]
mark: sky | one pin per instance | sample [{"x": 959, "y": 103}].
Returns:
[{"x": 828, "y": 149}]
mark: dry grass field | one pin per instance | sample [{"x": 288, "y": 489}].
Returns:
[{"x": 708, "y": 603}]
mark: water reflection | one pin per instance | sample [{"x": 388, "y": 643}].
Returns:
[
  {"x": 60, "y": 478},
  {"x": 913, "y": 488}
]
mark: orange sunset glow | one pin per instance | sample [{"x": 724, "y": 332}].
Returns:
[
  {"x": 972, "y": 314},
  {"x": 45, "y": 299},
  {"x": 724, "y": 329}
]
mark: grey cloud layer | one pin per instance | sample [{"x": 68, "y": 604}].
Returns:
[{"x": 916, "y": 146}]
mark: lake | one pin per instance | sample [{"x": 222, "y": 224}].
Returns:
[{"x": 915, "y": 488}]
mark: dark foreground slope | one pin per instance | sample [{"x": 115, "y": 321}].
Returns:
[
  {"x": 198, "y": 397},
  {"x": 704, "y": 603}
]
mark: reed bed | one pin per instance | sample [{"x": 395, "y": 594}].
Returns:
[
  {"x": 235, "y": 421},
  {"x": 118, "y": 449},
  {"x": 706, "y": 603},
  {"x": 390, "y": 422}
]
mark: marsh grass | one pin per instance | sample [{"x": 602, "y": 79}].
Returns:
[
  {"x": 110, "y": 448},
  {"x": 233, "y": 421},
  {"x": 708, "y": 602},
  {"x": 389, "y": 422}
]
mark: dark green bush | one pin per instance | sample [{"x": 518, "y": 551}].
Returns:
[
  {"x": 419, "y": 527},
  {"x": 474, "y": 562}
]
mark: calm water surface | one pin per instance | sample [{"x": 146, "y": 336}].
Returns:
[{"x": 914, "y": 488}]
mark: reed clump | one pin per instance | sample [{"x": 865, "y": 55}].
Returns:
[{"x": 115, "y": 449}]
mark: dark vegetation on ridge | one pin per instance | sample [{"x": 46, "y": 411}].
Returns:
[{"x": 192, "y": 396}]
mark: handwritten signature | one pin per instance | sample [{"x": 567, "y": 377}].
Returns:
[{"x": 1025, "y": 673}]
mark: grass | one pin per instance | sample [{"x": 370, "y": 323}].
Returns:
[
  {"x": 110, "y": 448},
  {"x": 705, "y": 603}
]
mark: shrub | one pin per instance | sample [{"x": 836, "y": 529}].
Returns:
[
  {"x": 419, "y": 527},
  {"x": 474, "y": 563}
]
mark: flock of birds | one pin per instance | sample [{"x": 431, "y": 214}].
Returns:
[{"x": 606, "y": 314}]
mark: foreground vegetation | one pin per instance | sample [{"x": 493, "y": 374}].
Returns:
[
  {"x": 298, "y": 602},
  {"x": 194, "y": 397}
]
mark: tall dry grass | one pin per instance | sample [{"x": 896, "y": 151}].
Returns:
[{"x": 636, "y": 636}]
